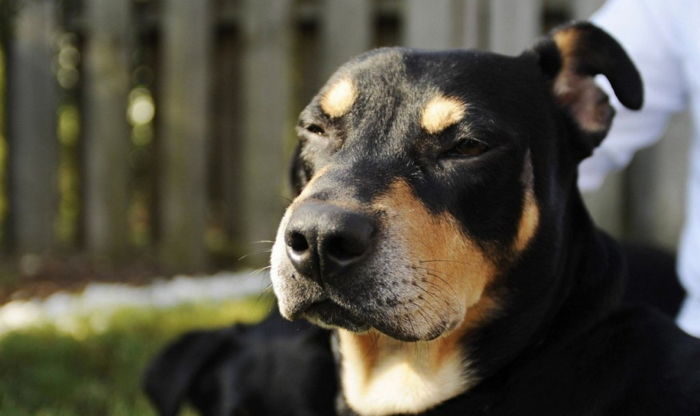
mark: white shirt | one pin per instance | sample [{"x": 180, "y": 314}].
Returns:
[{"x": 663, "y": 39}]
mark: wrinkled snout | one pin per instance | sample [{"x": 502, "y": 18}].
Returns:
[{"x": 324, "y": 240}]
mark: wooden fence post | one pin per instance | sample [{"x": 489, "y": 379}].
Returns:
[
  {"x": 514, "y": 25},
  {"x": 656, "y": 187},
  {"x": 106, "y": 129},
  {"x": 227, "y": 108},
  {"x": 184, "y": 132},
  {"x": 427, "y": 24},
  {"x": 346, "y": 30},
  {"x": 606, "y": 204},
  {"x": 582, "y": 9},
  {"x": 32, "y": 109},
  {"x": 469, "y": 14},
  {"x": 441, "y": 24},
  {"x": 267, "y": 121}
]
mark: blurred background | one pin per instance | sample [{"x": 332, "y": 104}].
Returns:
[{"x": 149, "y": 138}]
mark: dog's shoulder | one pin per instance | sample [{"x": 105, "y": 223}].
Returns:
[
  {"x": 651, "y": 343},
  {"x": 635, "y": 362},
  {"x": 649, "y": 364}
]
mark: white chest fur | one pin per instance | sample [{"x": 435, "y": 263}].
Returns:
[{"x": 383, "y": 377}]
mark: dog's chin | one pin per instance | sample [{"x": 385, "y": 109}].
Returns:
[{"x": 329, "y": 315}]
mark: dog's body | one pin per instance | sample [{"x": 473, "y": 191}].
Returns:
[
  {"x": 439, "y": 232},
  {"x": 274, "y": 368},
  {"x": 438, "y": 229}
]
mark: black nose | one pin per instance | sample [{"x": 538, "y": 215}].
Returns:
[{"x": 323, "y": 240}]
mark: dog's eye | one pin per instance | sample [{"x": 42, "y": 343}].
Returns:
[
  {"x": 315, "y": 129},
  {"x": 467, "y": 148}
]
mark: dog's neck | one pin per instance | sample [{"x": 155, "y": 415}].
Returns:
[
  {"x": 590, "y": 277},
  {"x": 384, "y": 376},
  {"x": 568, "y": 281}
]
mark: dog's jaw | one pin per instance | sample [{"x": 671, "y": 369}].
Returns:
[{"x": 383, "y": 376}]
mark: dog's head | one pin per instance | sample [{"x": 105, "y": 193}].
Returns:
[{"x": 424, "y": 176}]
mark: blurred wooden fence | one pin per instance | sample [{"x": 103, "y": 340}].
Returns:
[{"x": 165, "y": 126}]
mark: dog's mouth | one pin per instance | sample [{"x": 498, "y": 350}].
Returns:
[
  {"x": 327, "y": 313},
  {"x": 331, "y": 315}
]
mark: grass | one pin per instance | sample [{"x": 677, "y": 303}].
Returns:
[{"x": 94, "y": 367}]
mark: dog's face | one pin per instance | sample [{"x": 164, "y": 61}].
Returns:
[{"x": 416, "y": 186}]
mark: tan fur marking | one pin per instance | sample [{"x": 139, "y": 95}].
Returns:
[
  {"x": 436, "y": 242},
  {"x": 566, "y": 41},
  {"x": 338, "y": 98},
  {"x": 579, "y": 93},
  {"x": 529, "y": 221},
  {"x": 382, "y": 375},
  {"x": 441, "y": 112}
]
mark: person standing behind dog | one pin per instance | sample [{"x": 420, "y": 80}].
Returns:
[{"x": 663, "y": 39}]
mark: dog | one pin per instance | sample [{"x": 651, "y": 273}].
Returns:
[
  {"x": 275, "y": 368},
  {"x": 439, "y": 233},
  {"x": 546, "y": 331}
]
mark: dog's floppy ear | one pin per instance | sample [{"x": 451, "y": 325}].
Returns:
[
  {"x": 169, "y": 376},
  {"x": 571, "y": 56}
]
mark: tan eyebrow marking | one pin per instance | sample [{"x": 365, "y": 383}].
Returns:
[
  {"x": 441, "y": 112},
  {"x": 338, "y": 99}
]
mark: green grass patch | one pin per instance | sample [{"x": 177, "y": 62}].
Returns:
[{"x": 95, "y": 367}]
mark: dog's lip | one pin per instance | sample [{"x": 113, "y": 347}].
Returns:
[{"x": 327, "y": 312}]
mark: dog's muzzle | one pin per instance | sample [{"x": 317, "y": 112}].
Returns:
[
  {"x": 321, "y": 252},
  {"x": 342, "y": 264}
]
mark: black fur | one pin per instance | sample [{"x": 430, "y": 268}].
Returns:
[
  {"x": 651, "y": 279},
  {"x": 562, "y": 343},
  {"x": 275, "y": 368}
]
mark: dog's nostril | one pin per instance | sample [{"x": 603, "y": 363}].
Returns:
[
  {"x": 298, "y": 242},
  {"x": 301, "y": 251},
  {"x": 349, "y": 243},
  {"x": 343, "y": 248}
]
